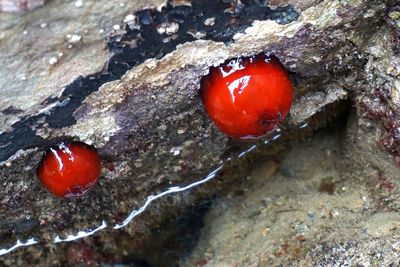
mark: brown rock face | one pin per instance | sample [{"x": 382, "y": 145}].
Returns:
[{"x": 135, "y": 97}]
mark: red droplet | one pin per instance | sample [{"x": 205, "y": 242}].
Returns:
[
  {"x": 70, "y": 169},
  {"x": 247, "y": 97}
]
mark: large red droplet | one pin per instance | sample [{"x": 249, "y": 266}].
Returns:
[
  {"x": 70, "y": 169},
  {"x": 247, "y": 97}
]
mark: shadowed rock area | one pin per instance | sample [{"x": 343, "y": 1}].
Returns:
[{"x": 125, "y": 77}]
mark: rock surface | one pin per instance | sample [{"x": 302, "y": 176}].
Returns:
[
  {"x": 138, "y": 103},
  {"x": 20, "y": 6},
  {"x": 308, "y": 209}
]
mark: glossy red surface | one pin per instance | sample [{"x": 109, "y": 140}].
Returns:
[
  {"x": 247, "y": 97},
  {"x": 70, "y": 170}
]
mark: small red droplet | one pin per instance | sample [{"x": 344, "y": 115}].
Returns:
[
  {"x": 70, "y": 169},
  {"x": 247, "y": 97}
]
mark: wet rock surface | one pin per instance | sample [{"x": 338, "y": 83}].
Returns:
[{"x": 137, "y": 101}]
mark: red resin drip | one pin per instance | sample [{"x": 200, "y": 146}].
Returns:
[
  {"x": 247, "y": 97},
  {"x": 70, "y": 170}
]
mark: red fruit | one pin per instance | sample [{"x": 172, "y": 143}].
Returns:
[
  {"x": 70, "y": 170},
  {"x": 247, "y": 97}
]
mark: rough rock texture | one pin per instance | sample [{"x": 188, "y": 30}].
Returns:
[
  {"x": 20, "y": 5},
  {"x": 343, "y": 210},
  {"x": 149, "y": 125},
  {"x": 307, "y": 209},
  {"x": 46, "y": 50}
]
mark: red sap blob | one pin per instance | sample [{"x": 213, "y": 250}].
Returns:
[
  {"x": 247, "y": 97},
  {"x": 70, "y": 169}
]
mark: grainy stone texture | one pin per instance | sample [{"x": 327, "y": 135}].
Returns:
[
  {"x": 20, "y": 6},
  {"x": 308, "y": 209},
  {"x": 46, "y": 50},
  {"x": 149, "y": 125}
]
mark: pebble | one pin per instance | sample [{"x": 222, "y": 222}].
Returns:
[
  {"x": 209, "y": 22},
  {"x": 175, "y": 151},
  {"x": 168, "y": 28},
  {"x": 53, "y": 60},
  {"x": 74, "y": 38},
  {"x": 129, "y": 18},
  {"x": 79, "y": 3}
]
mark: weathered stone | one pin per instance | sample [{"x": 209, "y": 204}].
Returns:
[
  {"x": 20, "y": 5},
  {"x": 136, "y": 121}
]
